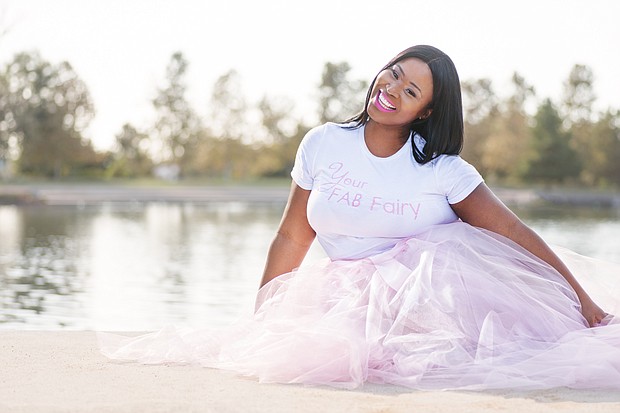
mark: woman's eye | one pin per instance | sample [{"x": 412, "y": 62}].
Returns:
[
  {"x": 410, "y": 92},
  {"x": 395, "y": 74}
]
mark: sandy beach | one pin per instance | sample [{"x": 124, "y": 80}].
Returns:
[{"x": 63, "y": 371}]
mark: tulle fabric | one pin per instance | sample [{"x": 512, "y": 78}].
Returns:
[{"x": 453, "y": 308}]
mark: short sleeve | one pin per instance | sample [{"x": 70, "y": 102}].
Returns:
[
  {"x": 456, "y": 178},
  {"x": 303, "y": 171}
]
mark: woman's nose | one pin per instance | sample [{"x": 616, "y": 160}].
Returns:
[{"x": 391, "y": 89}]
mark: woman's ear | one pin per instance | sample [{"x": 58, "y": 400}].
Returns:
[{"x": 426, "y": 114}]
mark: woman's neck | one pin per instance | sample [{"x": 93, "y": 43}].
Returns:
[{"x": 383, "y": 141}]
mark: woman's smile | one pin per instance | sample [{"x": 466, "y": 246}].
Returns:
[
  {"x": 402, "y": 93},
  {"x": 383, "y": 103}
]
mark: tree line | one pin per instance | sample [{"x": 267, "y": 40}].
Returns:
[
  {"x": 45, "y": 109},
  {"x": 563, "y": 142}
]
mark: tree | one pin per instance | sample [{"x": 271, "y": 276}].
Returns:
[
  {"x": 177, "y": 124},
  {"x": 44, "y": 110},
  {"x": 506, "y": 150},
  {"x": 282, "y": 135},
  {"x": 131, "y": 157},
  {"x": 578, "y": 99},
  {"x": 601, "y": 166},
  {"x": 578, "y": 96},
  {"x": 228, "y": 108},
  {"x": 6, "y": 119},
  {"x": 480, "y": 100},
  {"x": 224, "y": 151},
  {"x": 5, "y": 115},
  {"x": 481, "y": 108},
  {"x": 339, "y": 97},
  {"x": 553, "y": 160}
]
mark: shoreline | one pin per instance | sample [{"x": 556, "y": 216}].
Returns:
[
  {"x": 85, "y": 194},
  {"x": 63, "y": 371},
  {"x": 98, "y": 193}
]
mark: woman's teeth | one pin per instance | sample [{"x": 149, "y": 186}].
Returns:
[{"x": 385, "y": 103}]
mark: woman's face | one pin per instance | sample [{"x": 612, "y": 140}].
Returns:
[{"x": 401, "y": 93}]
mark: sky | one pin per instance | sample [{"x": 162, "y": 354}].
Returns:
[{"x": 120, "y": 48}]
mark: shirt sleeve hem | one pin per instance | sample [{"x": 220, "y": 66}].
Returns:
[
  {"x": 465, "y": 192},
  {"x": 303, "y": 185}
]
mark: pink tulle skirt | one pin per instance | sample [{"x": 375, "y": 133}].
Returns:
[{"x": 456, "y": 307}]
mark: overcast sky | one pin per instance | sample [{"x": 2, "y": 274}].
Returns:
[{"x": 120, "y": 48}]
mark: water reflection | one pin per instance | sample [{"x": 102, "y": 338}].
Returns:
[
  {"x": 142, "y": 266},
  {"x": 588, "y": 231},
  {"x": 40, "y": 264}
]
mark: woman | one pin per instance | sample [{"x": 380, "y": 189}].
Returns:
[
  {"x": 431, "y": 281},
  {"x": 401, "y": 100}
]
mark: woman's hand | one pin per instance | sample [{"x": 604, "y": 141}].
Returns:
[{"x": 592, "y": 312}]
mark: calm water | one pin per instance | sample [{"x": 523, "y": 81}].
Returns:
[{"x": 142, "y": 266}]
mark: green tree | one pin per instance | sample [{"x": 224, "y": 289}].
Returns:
[
  {"x": 225, "y": 150},
  {"x": 480, "y": 100},
  {"x": 553, "y": 160},
  {"x": 228, "y": 108},
  {"x": 339, "y": 97},
  {"x": 506, "y": 150},
  {"x": 578, "y": 114},
  {"x": 601, "y": 166},
  {"x": 282, "y": 135},
  {"x": 481, "y": 107},
  {"x": 45, "y": 110},
  {"x": 578, "y": 96},
  {"x": 177, "y": 125},
  {"x": 131, "y": 158},
  {"x": 6, "y": 119},
  {"x": 6, "y": 123}
]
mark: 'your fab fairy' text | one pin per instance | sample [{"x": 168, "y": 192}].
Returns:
[{"x": 343, "y": 189}]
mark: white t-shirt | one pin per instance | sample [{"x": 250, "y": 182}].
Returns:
[{"x": 361, "y": 204}]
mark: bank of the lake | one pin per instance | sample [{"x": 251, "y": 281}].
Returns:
[{"x": 96, "y": 193}]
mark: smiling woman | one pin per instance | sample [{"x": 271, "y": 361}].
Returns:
[
  {"x": 417, "y": 82},
  {"x": 431, "y": 281},
  {"x": 394, "y": 84}
]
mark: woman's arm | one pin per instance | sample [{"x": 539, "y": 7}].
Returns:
[
  {"x": 483, "y": 209},
  {"x": 293, "y": 238}
]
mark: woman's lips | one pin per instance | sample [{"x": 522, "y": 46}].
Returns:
[{"x": 383, "y": 103}]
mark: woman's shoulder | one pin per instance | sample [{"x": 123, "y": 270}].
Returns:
[
  {"x": 328, "y": 130},
  {"x": 455, "y": 176},
  {"x": 337, "y": 128},
  {"x": 450, "y": 161},
  {"x": 439, "y": 161}
]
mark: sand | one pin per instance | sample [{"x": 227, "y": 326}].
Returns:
[{"x": 63, "y": 371}]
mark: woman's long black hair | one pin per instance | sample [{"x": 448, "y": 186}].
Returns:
[{"x": 443, "y": 129}]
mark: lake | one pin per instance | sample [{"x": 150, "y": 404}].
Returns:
[{"x": 141, "y": 266}]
